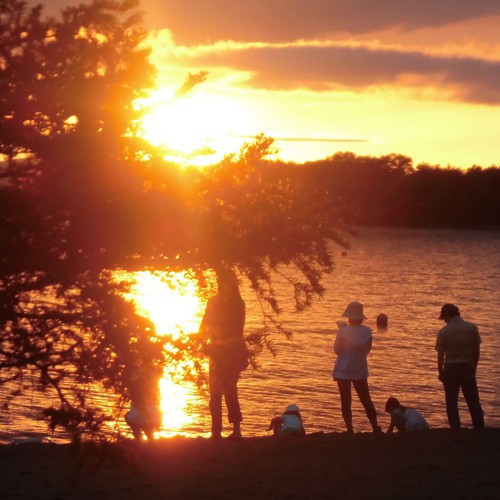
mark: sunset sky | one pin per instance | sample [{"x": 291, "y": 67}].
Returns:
[{"x": 416, "y": 77}]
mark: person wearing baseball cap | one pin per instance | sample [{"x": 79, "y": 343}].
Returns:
[{"x": 458, "y": 348}]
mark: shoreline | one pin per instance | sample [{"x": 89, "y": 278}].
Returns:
[{"x": 422, "y": 464}]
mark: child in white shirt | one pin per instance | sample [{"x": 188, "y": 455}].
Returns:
[
  {"x": 290, "y": 423},
  {"x": 403, "y": 418}
]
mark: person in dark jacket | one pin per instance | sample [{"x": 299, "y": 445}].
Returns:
[
  {"x": 458, "y": 348},
  {"x": 223, "y": 325}
]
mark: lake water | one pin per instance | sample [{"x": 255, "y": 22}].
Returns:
[{"x": 407, "y": 274}]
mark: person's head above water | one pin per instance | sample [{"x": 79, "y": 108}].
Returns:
[{"x": 382, "y": 320}]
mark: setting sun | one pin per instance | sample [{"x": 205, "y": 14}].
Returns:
[{"x": 197, "y": 129}]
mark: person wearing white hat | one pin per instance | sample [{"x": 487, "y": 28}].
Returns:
[
  {"x": 352, "y": 345},
  {"x": 290, "y": 423}
]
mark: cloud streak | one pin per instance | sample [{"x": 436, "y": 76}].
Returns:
[
  {"x": 330, "y": 66},
  {"x": 308, "y": 139}
]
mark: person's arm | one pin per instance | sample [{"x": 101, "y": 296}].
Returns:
[
  {"x": 338, "y": 344},
  {"x": 440, "y": 363},
  {"x": 274, "y": 422},
  {"x": 365, "y": 347},
  {"x": 441, "y": 349},
  {"x": 390, "y": 428},
  {"x": 477, "y": 350},
  {"x": 204, "y": 325},
  {"x": 370, "y": 342}
]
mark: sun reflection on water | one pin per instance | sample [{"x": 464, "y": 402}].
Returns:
[
  {"x": 169, "y": 300},
  {"x": 172, "y": 303},
  {"x": 174, "y": 402}
]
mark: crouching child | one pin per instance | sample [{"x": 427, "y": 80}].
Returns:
[
  {"x": 403, "y": 418},
  {"x": 288, "y": 424},
  {"x": 146, "y": 421}
]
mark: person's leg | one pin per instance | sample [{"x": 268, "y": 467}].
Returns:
[
  {"x": 133, "y": 422},
  {"x": 345, "y": 402},
  {"x": 470, "y": 391},
  {"x": 215, "y": 403},
  {"x": 451, "y": 389},
  {"x": 363, "y": 392},
  {"x": 136, "y": 431},
  {"x": 277, "y": 426},
  {"x": 233, "y": 405},
  {"x": 149, "y": 431}
]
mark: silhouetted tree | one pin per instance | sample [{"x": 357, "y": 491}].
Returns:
[
  {"x": 68, "y": 187},
  {"x": 83, "y": 196},
  {"x": 260, "y": 217}
]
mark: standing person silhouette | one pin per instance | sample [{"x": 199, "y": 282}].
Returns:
[
  {"x": 457, "y": 345},
  {"x": 223, "y": 325},
  {"x": 352, "y": 345}
]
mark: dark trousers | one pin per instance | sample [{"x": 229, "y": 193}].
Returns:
[
  {"x": 363, "y": 392},
  {"x": 456, "y": 377},
  {"x": 224, "y": 385}
]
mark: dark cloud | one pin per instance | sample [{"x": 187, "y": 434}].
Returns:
[
  {"x": 202, "y": 21},
  {"x": 287, "y": 67}
]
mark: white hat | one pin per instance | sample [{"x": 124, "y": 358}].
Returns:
[
  {"x": 293, "y": 408},
  {"x": 354, "y": 311}
]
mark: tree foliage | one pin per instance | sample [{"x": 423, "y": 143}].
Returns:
[{"x": 68, "y": 186}]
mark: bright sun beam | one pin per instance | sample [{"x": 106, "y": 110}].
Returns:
[
  {"x": 174, "y": 402},
  {"x": 197, "y": 129},
  {"x": 170, "y": 301}
]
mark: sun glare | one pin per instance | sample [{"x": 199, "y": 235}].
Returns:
[
  {"x": 196, "y": 129},
  {"x": 171, "y": 302},
  {"x": 174, "y": 402}
]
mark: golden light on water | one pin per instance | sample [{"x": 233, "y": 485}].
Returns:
[
  {"x": 174, "y": 402},
  {"x": 171, "y": 302}
]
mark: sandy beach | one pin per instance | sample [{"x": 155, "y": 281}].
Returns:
[{"x": 431, "y": 464}]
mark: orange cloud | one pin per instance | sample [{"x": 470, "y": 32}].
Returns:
[{"x": 354, "y": 65}]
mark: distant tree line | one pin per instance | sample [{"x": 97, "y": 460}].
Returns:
[{"x": 390, "y": 191}]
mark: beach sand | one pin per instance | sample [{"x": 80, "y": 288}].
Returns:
[{"x": 439, "y": 463}]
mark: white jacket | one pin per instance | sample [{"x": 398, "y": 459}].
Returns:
[{"x": 352, "y": 345}]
